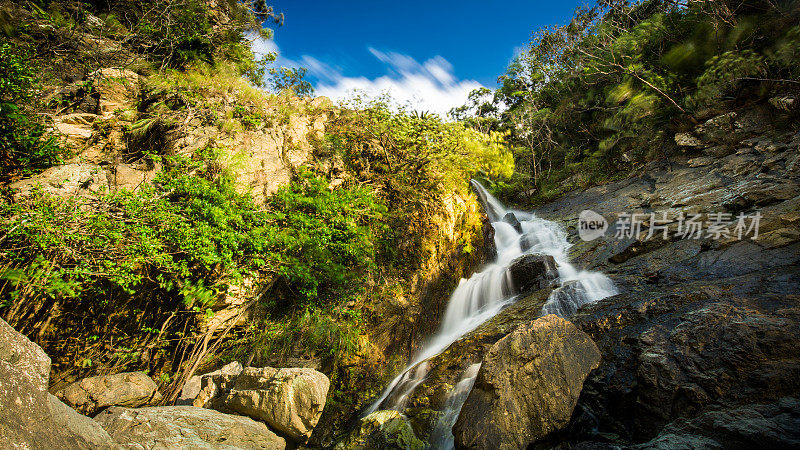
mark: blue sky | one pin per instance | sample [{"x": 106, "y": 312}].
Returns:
[{"x": 427, "y": 53}]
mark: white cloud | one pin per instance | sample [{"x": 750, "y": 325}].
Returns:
[
  {"x": 260, "y": 46},
  {"x": 430, "y": 86}
]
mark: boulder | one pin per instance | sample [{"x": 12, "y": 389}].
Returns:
[
  {"x": 28, "y": 416},
  {"x": 191, "y": 389},
  {"x": 512, "y": 220},
  {"x": 290, "y": 401},
  {"x": 185, "y": 427},
  {"x": 91, "y": 395},
  {"x": 489, "y": 245},
  {"x": 67, "y": 418},
  {"x": 527, "y": 386},
  {"x": 531, "y": 272},
  {"x": 387, "y": 430},
  {"x": 65, "y": 180}
]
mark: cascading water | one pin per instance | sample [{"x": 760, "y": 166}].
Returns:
[
  {"x": 442, "y": 435},
  {"x": 486, "y": 293}
]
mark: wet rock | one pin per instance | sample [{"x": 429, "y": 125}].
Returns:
[
  {"x": 512, "y": 220},
  {"x": 28, "y": 414},
  {"x": 532, "y": 272},
  {"x": 186, "y": 427},
  {"x": 775, "y": 425},
  {"x": 290, "y": 401},
  {"x": 489, "y": 246},
  {"x": 679, "y": 351},
  {"x": 387, "y": 430},
  {"x": 527, "y": 386},
  {"x": 785, "y": 103},
  {"x": 91, "y": 395}
]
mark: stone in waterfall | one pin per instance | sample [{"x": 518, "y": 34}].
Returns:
[
  {"x": 527, "y": 386},
  {"x": 387, "y": 430},
  {"x": 532, "y": 272},
  {"x": 91, "y": 395},
  {"x": 290, "y": 401},
  {"x": 186, "y": 427},
  {"x": 489, "y": 246},
  {"x": 30, "y": 417},
  {"x": 511, "y": 219}
]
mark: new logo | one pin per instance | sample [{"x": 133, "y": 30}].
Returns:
[{"x": 591, "y": 225}]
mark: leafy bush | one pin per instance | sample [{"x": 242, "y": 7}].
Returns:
[
  {"x": 327, "y": 237},
  {"x": 724, "y": 71}
]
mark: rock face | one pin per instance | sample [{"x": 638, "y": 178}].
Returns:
[
  {"x": 529, "y": 273},
  {"x": 289, "y": 400},
  {"x": 775, "y": 425},
  {"x": 388, "y": 430},
  {"x": 704, "y": 330},
  {"x": 185, "y": 427},
  {"x": 30, "y": 418},
  {"x": 91, "y": 395},
  {"x": 527, "y": 386}
]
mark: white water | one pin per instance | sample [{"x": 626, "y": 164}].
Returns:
[
  {"x": 486, "y": 293},
  {"x": 442, "y": 435}
]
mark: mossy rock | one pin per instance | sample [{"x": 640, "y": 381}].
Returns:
[{"x": 383, "y": 430}]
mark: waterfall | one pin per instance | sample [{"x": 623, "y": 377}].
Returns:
[
  {"x": 442, "y": 435},
  {"x": 485, "y": 293}
]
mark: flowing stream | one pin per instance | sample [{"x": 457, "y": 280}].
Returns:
[{"x": 486, "y": 293}]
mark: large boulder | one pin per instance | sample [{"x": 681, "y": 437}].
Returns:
[
  {"x": 527, "y": 386},
  {"x": 529, "y": 273},
  {"x": 164, "y": 427},
  {"x": 290, "y": 401},
  {"x": 67, "y": 418},
  {"x": 91, "y": 395},
  {"x": 387, "y": 430},
  {"x": 26, "y": 418}
]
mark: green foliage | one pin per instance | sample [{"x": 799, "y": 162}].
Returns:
[
  {"x": 25, "y": 145},
  {"x": 191, "y": 235},
  {"x": 291, "y": 79},
  {"x": 724, "y": 71},
  {"x": 327, "y": 237}
]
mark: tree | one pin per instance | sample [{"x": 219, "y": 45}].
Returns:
[{"x": 291, "y": 79}]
